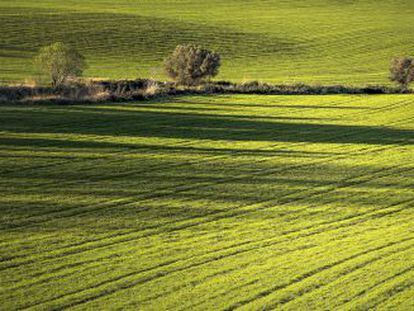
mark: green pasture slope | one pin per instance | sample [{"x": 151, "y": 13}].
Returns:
[
  {"x": 312, "y": 41},
  {"x": 209, "y": 203}
]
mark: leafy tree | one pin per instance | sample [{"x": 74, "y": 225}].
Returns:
[
  {"x": 191, "y": 64},
  {"x": 59, "y": 62},
  {"x": 402, "y": 71}
]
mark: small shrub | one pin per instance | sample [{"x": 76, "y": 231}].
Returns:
[
  {"x": 152, "y": 88},
  {"x": 402, "y": 71},
  {"x": 191, "y": 64},
  {"x": 59, "y": 62},
  {"x": 81, "y": 92}
]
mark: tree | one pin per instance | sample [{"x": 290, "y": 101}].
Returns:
[
  {"x": 59, "y": 62},
  {"x": 191, "y": 64},
  {"x": 402, "y": 71}
]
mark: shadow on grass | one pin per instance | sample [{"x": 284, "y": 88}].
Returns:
[
  {"x": 189, "y": 126},
  {"x": 159, "y": 197}
]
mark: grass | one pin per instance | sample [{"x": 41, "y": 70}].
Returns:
[
  {"x": 206, "y": 203},
  {"x": 315, "y": 41}
]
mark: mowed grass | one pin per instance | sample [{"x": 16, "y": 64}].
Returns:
[
  {"x": 209, "y": 203},
  {"x": 311, "y": 41}
]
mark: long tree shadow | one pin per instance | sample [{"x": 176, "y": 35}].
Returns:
[
  {"x": 10, "y": 144},
  {"x": 188, "y": 126},
  {"x": 273, "y": 106}
]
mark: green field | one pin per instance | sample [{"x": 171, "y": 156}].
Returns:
[
  {"x": 311, "y": 41},
  {"x": 209, "y": 203}
]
